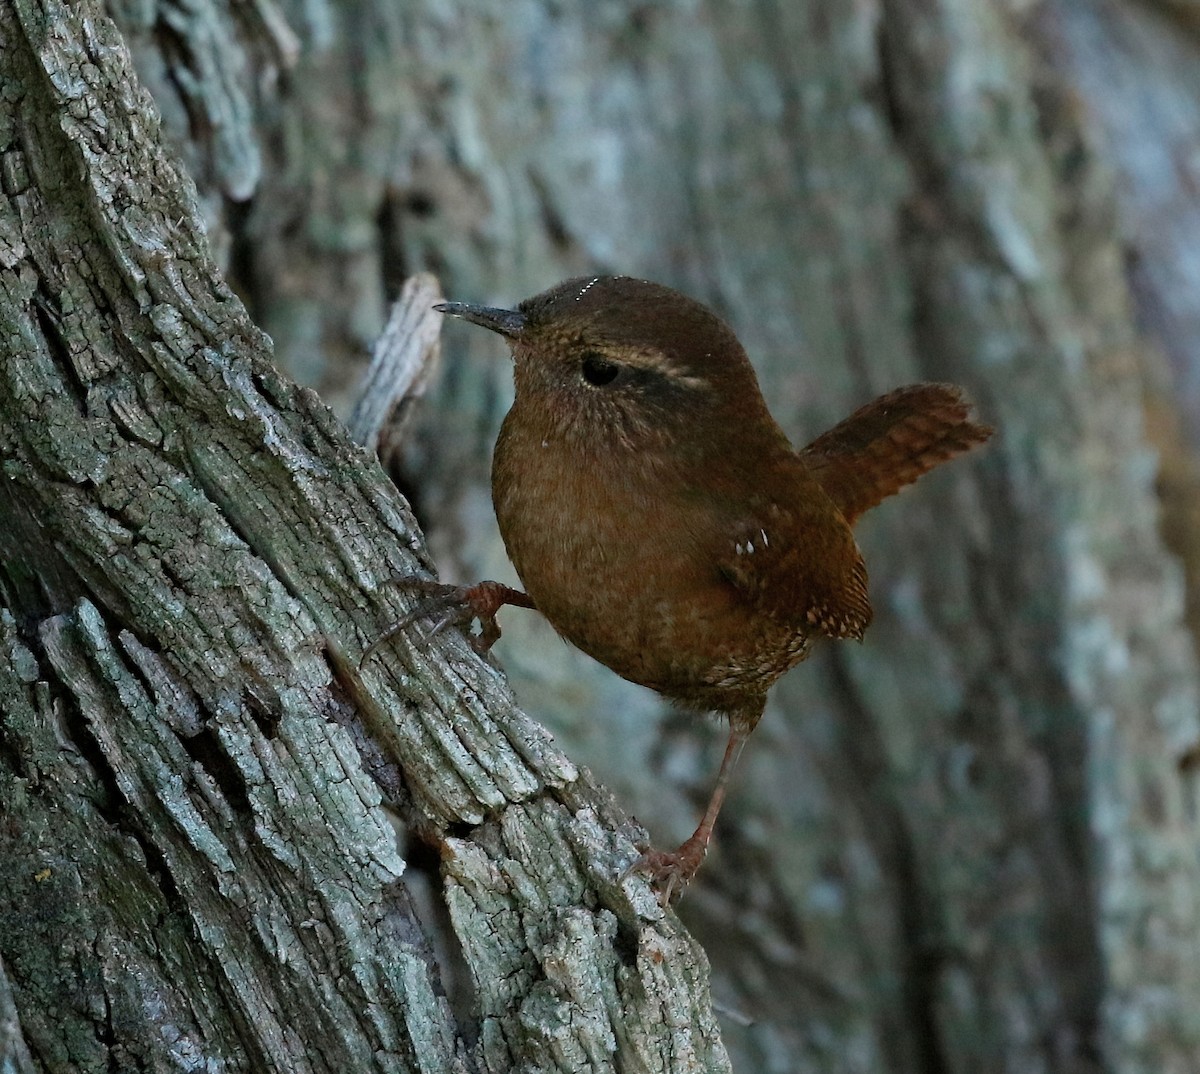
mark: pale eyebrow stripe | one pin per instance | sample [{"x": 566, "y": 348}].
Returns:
[{"x": 656, "y": 363}]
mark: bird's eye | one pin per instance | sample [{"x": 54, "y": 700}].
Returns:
[{"x": 598, "y": 370}]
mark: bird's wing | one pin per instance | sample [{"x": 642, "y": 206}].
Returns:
[
  {"x": 798, "y": 563},
  {"x": 889, "y": 443}
]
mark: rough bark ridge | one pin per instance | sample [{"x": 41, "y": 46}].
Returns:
[{"x": 197, "y": 869}]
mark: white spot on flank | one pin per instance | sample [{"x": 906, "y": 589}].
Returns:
[
  {"x": 749, "y": 547},
  {"x": 766, "y": 543},
  {"x": 587, "y": 287},
  {"x": 545, "y": 443}
]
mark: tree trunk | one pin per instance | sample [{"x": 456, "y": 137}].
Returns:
[
  {"x": 199, "y": 871},
  {"x": 968, "y": 845}
]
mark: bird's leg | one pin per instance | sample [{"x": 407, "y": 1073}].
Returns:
[
  {"x": 670, "y": 871},
  {"x": 455, "y": 604}
]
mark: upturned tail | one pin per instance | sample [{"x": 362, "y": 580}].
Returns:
[{"x": 890, "y": 442}]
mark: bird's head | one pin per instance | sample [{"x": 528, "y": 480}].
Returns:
[{"x": 625, "y": 361}]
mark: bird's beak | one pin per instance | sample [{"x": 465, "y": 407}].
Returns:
[{"x": 510, "y": 323}]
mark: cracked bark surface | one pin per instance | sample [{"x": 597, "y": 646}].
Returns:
[{"x": 199, "y": 871}]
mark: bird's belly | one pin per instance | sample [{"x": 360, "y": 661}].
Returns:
[
  {"x": 699, "y": 645},
  {"x": 648, "y": 603}
]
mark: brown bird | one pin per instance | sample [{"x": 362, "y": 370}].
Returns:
[{"x": 659, "y": 518}]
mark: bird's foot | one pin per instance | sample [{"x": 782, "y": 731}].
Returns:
[
  {"x": 669, "y": 871},
  {"x": 448, "y": 605}
]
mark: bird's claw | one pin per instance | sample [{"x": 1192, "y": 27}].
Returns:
[
  {"x": 457, "y": 604},
  {"x": 669, "y": 871}
]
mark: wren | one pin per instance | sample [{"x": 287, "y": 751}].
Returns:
[{"x": 660, "y": 519}]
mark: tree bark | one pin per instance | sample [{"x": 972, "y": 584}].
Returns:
[
  {"x": 199, "y": 871},
  {"x": 968, "y": 845}
]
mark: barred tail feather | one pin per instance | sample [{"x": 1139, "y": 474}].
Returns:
[{"x": 890, "y": 442}]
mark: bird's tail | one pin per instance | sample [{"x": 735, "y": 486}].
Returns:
[{"x": 890, "y": 442}]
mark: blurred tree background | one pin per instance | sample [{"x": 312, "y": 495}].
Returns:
[{"x": 968, "y": 845}]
